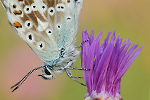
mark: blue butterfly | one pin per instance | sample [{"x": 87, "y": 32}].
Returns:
[{"x": 49, "y": 28}]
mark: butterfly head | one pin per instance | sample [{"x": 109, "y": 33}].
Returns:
[{"x": 48, "y": 72}]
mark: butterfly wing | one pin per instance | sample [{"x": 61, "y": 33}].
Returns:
[
  {"x": 69, "y": 25},
  {"x": 45, "y": 25}
]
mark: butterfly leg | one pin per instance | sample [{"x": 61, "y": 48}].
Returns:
[
  {"x": 74, "y": 68},
  {"x": 76, "y": 77},
  {"x": 73, "y": 77},
  {"x": 75, "y": 48},
  {"x": 79, "y": 46}
]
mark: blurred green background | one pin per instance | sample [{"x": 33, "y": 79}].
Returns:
[{"x": 130, "y": 18}]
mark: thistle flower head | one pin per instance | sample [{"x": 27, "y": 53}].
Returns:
[{"x": 107, "y": 62}]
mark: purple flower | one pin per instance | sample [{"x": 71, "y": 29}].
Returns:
[{"x": 107, "y": 62}]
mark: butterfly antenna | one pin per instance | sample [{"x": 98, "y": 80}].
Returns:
[{"x": 17, "y": 85}]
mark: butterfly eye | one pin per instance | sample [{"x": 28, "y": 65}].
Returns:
[
  {"x": 28, "y": 24},
  {"x": 40, "y": 45},
  {"x": 46, "y": 71},
  {"x": 51, "y": 11},
  {"x": 49, "y": 31},
  {"x": 27, "y": 9},
  {"x": 30, "y": 37}
]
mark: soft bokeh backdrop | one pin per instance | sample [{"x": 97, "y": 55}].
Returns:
[{"x": 130, "y": 18}]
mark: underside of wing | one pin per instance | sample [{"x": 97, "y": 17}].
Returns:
[
  {"x": 71, "y": 22},
  {"x": 46, "y": 25}
]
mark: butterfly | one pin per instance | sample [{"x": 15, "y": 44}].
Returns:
[{"x": 49, "y": 28}]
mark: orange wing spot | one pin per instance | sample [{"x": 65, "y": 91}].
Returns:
[
  {"x": 17, "y": 12},
  {"x": 17, "y": 25},
  {"x": 68, "y": 1}
]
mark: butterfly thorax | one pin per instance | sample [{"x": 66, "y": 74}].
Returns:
[{"x": 66, "y": 57}]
